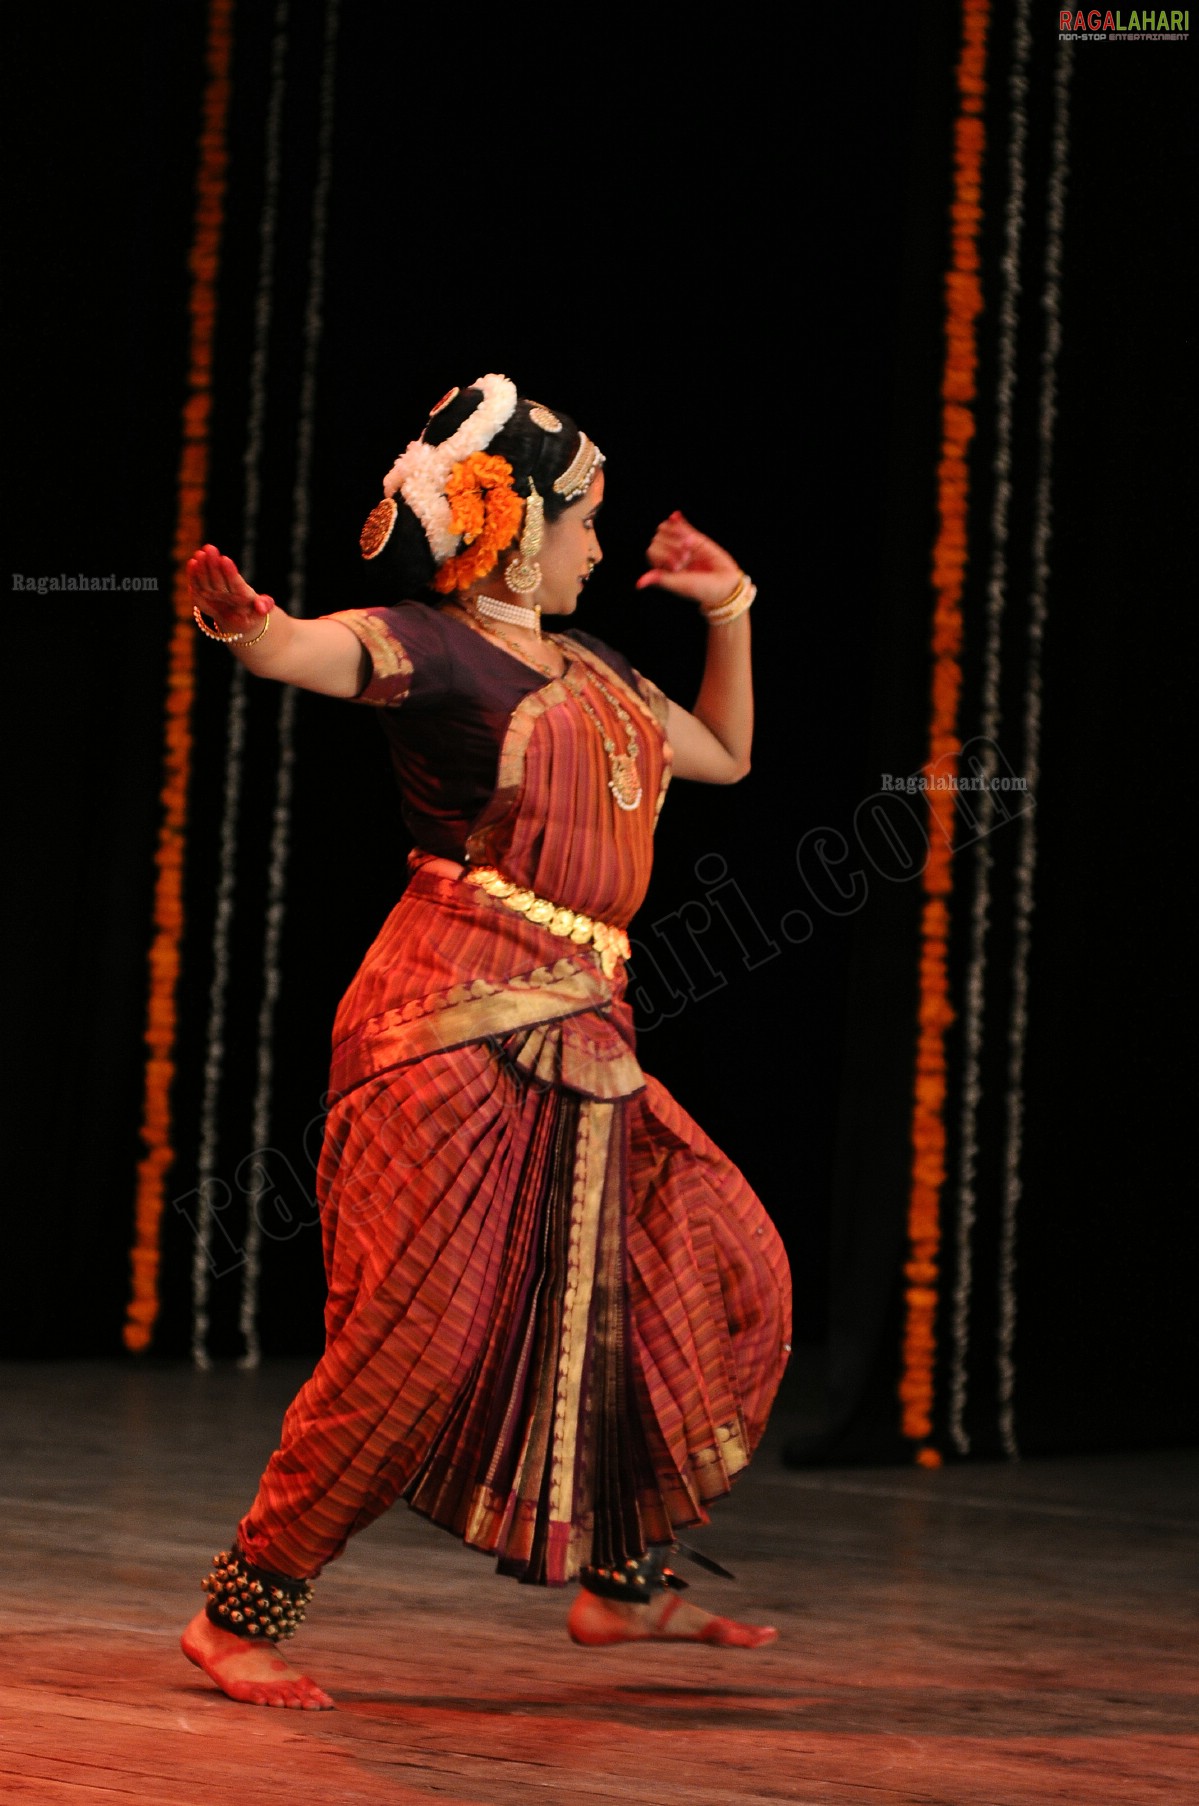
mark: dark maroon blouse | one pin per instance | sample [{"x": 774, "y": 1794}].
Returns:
[{"x": 457, "y": 690}]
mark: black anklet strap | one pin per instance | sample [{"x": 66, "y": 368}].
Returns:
[
  {"x": 254, "y": 1602},
  {"x": 704, "y": 1561},
  {"x": 636, "y": 1582}
]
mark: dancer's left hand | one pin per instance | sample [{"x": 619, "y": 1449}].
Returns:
[{"x": 685, "y": 561}]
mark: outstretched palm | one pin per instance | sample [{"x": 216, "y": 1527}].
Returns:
[{"x": 217, "y": 588}]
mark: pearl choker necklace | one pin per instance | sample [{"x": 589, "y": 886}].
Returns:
[{"x": 511, "y": 612}]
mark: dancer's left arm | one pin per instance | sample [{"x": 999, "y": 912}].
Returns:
[{"x": 711, "y": 741}]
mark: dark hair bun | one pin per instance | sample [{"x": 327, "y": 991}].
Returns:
[{"x": 537, "y": 456}]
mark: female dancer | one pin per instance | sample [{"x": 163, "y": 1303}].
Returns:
[{"x": 557, "y": 1314}]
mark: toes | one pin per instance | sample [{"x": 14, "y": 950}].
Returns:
[{"x": 732, "y": 1635}]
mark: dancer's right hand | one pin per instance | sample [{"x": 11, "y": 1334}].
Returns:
[{"x": 218, "y": 588}]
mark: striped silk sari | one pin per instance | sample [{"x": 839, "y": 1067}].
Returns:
[{"x": 557, "y": 1314}]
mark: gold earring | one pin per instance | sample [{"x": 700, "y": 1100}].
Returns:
[{"x": 523, "y": 573}]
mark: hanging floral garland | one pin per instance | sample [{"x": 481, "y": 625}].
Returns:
[
  {"x": 285, "y": 757},
  {"x": 980, "y": 912},
  {"x": 1026, "y": 858},
  {"x": 963, "y": 304},
  {"x": 157, "y": 1126},
  {"x": 238, "y": 712}
]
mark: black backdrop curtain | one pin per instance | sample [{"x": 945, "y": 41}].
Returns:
[{"x": 730, "y": 268}]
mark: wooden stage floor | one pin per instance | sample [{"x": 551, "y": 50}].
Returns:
[{"x": 980, "y": 1636}]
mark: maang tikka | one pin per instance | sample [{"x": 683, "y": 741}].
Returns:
[{"x": 523, "y": 573}]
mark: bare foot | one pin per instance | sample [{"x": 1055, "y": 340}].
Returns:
[
  {"x": 664, "y": 1619},
  {"x": 249, "y": 1671}
]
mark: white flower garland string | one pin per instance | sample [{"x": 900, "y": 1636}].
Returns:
[{"x": 421, "y": 471}]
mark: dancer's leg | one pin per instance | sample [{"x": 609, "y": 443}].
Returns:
[
  {"x": 254, "y": 1673},
  {"x": 235, "y": 1639},
  {"x": 415, "y": 1243},
  {"x": 604, "y": 1613},
  {"x": 670, "y": 1618},
  {"x": 709, "y": 1300}
]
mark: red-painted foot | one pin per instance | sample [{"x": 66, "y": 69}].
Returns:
[
  {"x": 250, "y": 1672},
  {"x": 594, "y": 1622}
]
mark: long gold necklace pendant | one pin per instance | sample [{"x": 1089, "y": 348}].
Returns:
[{"x": 624, "y": 784}]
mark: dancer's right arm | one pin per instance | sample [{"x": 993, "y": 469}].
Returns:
[{"x": 316, "y": 655}]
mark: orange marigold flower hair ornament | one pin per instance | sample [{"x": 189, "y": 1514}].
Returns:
[
  {"x": 485, "y": 513},
  {"x": 422, "y": 474}
]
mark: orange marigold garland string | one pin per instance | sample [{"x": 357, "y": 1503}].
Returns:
[
  {"x": 191, "y": 496},
  {"x": 963, "y": 304}
]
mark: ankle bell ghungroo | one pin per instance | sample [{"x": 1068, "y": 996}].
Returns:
[
  {"x": 635, "y": 1582},
  {"x": 254, "y": 1602}
]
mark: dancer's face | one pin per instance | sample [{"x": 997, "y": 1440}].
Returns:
[{"x": 570, "y": 551}]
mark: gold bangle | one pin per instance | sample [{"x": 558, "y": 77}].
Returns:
[
  {"x": 228, "y": 639},
  {"x": 261, "y": 634},
  {"x": 741, "y": 600},
  {"x": 714, "y": 608},
  {"x": 727, "y": 620}
]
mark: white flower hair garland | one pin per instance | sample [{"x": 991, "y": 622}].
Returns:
[{"x": 421, "y": 471}]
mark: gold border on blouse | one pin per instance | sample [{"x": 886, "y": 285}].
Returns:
[
  {"x": 510, "y": 773},
  {"x": 384, "y": 648}
]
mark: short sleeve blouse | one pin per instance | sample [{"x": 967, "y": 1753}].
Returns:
[{"x": 446, "y": 695}]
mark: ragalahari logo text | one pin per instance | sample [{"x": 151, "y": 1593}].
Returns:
[{"x": 1151, "y": 25}]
